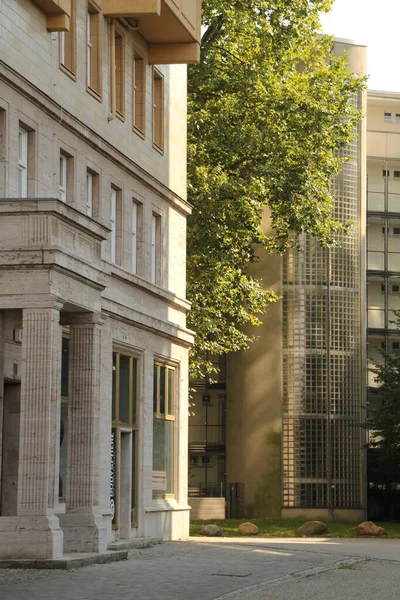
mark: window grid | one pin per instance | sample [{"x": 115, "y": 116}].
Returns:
[{"x": 321, "y": 362}]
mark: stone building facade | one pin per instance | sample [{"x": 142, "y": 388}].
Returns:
[{"x": 93, "y": 337}]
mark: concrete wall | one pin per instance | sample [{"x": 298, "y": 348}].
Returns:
[
  {"x": 207, "y": 508},
  {"x": 254, "y": 405}
]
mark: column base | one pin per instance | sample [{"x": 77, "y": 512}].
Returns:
[
  {"x": 30, "y": 537},
  {"x": 83, "y": 532}
]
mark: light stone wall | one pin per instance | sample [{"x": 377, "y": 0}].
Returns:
[{"x": 52, "y": 253}]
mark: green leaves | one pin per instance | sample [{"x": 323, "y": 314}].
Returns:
[{"x": 268, "y": 110}]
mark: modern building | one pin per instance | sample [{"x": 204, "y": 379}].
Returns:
[
  {"x": 294, "y": 400},
  {"x": 93, "y": 337},
  {"x": 383, "y": 268}
]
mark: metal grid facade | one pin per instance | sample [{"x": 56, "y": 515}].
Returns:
[{"x": 322, "y": 362}]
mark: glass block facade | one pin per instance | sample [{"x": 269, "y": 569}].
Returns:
[{"x": 322, "y": 373}]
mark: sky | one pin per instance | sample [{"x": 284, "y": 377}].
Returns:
[{"x": 376, "y": 24}]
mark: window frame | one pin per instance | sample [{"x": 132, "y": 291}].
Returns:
[
  {"x": 94, "y": 63},
  {"x": 117, "y": 111},
  {"x": 23, "y": 162},
  {"x": 155, "y": 273},
  {"x": 113, "y": 226},
  {"x": 63, "y": 180},
  {"x": 68, "y": 64},
  {"x": 138, "y": 120},
  {"x": 158, "y": 110},
  {"x": 133, "y": 425},
  {"x": 166, "y": 415}
]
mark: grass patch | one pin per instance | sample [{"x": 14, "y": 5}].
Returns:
[{"x": 287, "y": 527}]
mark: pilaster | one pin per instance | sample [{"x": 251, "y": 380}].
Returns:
[
  {"x": 84, "y": 530},
  {"x": 35, "y": 531}
]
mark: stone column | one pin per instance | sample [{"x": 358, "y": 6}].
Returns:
[
  {"x": 82, "y": 524},
  {"x": 35, "y": 532}
]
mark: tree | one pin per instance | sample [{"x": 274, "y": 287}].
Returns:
[
  {"x": 268, "y": 110},
  {"x": 383, "y": 421}
]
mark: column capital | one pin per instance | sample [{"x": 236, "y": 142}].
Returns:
[{"x": 83, "y": 318}]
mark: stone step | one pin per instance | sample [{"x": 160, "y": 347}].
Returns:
[
  {"x": 132, "y": 543},
  {"x": 68, "y": 561}
]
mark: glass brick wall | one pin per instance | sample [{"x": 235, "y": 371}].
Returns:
[{"x": 322, "y": 361}]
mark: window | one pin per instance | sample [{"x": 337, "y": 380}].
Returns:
[
  {"x": 125, "y": 405},
  {"x": 206, "y": 461},
  {"x": 89, "y": 193},
  {"x": 383, "y": 229},
  {"x": 395, "y": 289},
  {"x": 396, "y": 230},
  {"x": 397, "y": 118},
  {"x": 163, "y": 430},
  {"x": 383, "y": 287},
  {"x": 93, "y": 39},
  {"x": 388, "y": 116},
  {"x": 63, "y": 177},
  {"x": 396, "y": 346},
  {"x": 67, "y": 45},
  {"x": 385, "y": 173},
  {"x": 22, "y": 163},
  {"x": 113, "y": 226},
  {"x": 396, "y": 173},
  {"x": 139, "y": 89},
  {"x": 193, "y": 460},
  {"x": 155, "y": 248},
  {"x": 207, "y": 400},
  {"x": 158, "y": 110},
  {"x": 117, "y": 72}
]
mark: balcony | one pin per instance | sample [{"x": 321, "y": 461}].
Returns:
[
  {"x": 58, "y": 13},
  {"x": 47, "y": 246},
  {"x": 170, "y": 27}
]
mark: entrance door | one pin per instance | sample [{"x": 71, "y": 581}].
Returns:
[{"x": 10, "y": 449}]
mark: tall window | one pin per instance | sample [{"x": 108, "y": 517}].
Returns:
[
  {"x": 155, "y": 248},
  {"x": 158, "y": 110},
  {"x": 125, "y": 404},
  {"x": 93, "y": 40},
  {"x": 113, "y": 224},
  {"x": 63, "y": 177},
  {"x": 139, "y": 88},
  {"x": 134, "y": 236},
  {"x": 163, "y": 430},
  {"x": 117, "y": 72},
  {"x": 67, "y": 44},
  {"x": 89, "y": 193},
  {"x": 22, "y": 163}
]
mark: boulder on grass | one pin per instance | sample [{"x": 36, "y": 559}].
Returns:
[
  {"x": 248, "y": 529},
  {"x": 369, "y": 528},
  {"x": 211, "y": 531},
  {"x": 312, "y": 528}
]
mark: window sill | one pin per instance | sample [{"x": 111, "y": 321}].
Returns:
[
  {"x": 139, "y": 132},
  {"x": 65, "y": 70},
  {"x": 158, "y": 149},
  {"x": 95, "y": 94}
]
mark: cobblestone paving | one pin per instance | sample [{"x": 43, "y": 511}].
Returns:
[{"x": 171, "y": 571}]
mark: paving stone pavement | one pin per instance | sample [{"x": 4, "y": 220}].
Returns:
[{"x": 206, "y": 570}]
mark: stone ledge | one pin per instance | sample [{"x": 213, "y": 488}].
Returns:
[
  {"x": 69, "y": 561},
  {"x": 134, "y": 543}
]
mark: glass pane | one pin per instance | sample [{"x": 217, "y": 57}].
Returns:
[
  {"x": 163, "y": 372},
  {"x": 376, "y": 201},
  {"x": 155, "y": 388},
  {"x": 163, "y": 457},
  {"x": 171, "y": 391},
  {"x": 134, "y": 389},
  {"x": 376, "y": 318},
  {"x": 124, "y": 388},
  {"x": 376, "y": 261},
  {"x": 114, "y": 383},
  {"x": 62, "y": 478},
  {"x": 133, "y": 489},
  {"x": 394, "y": 203},
  {"x": 113, "y": 478},
  {"x": 64, "y": 366}
]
